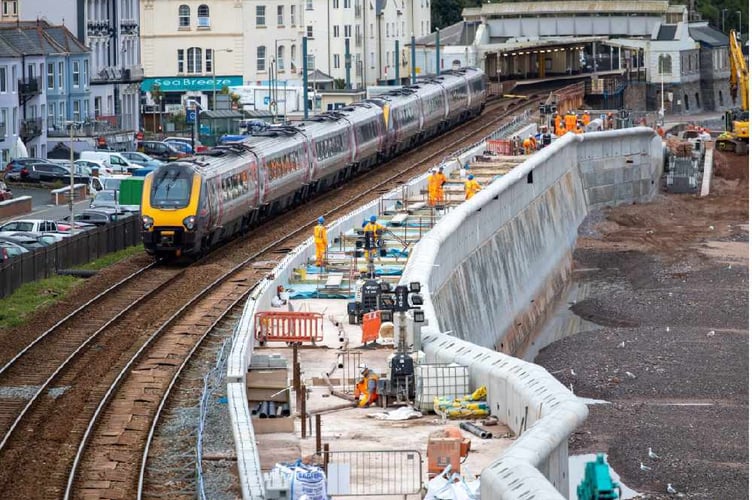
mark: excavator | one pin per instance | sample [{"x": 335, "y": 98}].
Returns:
[{"x": 736, "y": 136}]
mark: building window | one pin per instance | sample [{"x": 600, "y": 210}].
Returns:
[
  {"x": 181, "y": 61},
  {"x": 10, "y": 8},
  {"x": 209, "y": 60},
  {"x": 194, "y": 60},
  {"x": 336, "y": 31},
  {"x": 309, "y": 5},
  {"x": 51, "y": 115},
  {"x": 720, "y": 98},
  {"x": 292, "y": 15},
  {"x": 184, "y": 16},
  {"x": 348, "y": 31},
  {"x": 76, "y": 74},
  {"x": 15, "y": 121},
  {"x": 60, "y": 74},
  {"x": 86, "y": 73},
  {"x": 261, "y": 58},
  {"x": 293, "y": 64},
  {"x": 260, "y": 15},
  {"x": 281, "y": 58},
  {"x": 664, "y": 64},
  {"x": 61, "y": 111},
  {"x": 3, "y": 79},
  {"x": 348, "y": 3},
  {"x": 76, "y": 111},
  {"x": 309, "y": 31},
  {"x": 336, "y": 61},
  {"x": 4, "y": 121},
  {"x": 280, "y": 15},
  {"x": 203, "y": 16},
  {"x": 335, "y": 4}
]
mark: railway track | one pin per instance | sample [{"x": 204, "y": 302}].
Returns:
[{"x": 99, "y": 386}]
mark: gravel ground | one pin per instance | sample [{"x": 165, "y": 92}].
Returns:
[{"x": 667, "y": 302}]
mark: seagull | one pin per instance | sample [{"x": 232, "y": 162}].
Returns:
[
  {"x": 571, "y": 370},
  {"x": 644, "y": 467},
  {"x": 621, "y": 345},
  {"x": 671, "y": 489},
  {"x": 711, "y": 333},
  {"x": 668, "y": 329},
  {"x": 631, "y": 375},
  {"x": 652, "y": 454}
]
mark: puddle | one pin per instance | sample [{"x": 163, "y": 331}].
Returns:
[{"x": 577, "y": 472}]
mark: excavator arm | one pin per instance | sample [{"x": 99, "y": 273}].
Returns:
[
  {"x": 736, "y": 136},
  {"x": 739, "y": 79}
]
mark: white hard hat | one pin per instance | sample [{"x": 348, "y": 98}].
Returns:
[{"x": 362, "y": 367}]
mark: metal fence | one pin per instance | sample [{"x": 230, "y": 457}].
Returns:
[
  {"x": 373, "y": 472},
  {"x": 74, "y": 251}
]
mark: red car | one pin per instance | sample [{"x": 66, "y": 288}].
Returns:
[{"x": 5, "y": 193}]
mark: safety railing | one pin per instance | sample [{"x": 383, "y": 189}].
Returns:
[
  {"x": 373, "y": 472},
  {"x": 288, "y": 326}
]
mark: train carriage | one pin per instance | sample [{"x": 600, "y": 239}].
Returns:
[
  {"x": 332, "y": 148},
  {"x": 433, "y": 101},
  {"x": 403, "y": 117},
  {"x": 367, "y": 127},
  {"x": 455, "y": 86},
  {"x": 477, "y": 83}
]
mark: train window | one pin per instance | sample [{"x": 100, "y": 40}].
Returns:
[{"x": 172, "y": 189}]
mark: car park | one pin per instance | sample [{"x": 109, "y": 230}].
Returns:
[
  {"x": 9, "y": 249},
  {"x": 159, "y": 150},
  {"x": 99, "y": 216},
  {"x": 5, "y": 192},
  {"x": 16, "y": 169},
  {"x": 142, "y": 159}
]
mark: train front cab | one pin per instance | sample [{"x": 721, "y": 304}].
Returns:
[{"x": 169, "y": 206}]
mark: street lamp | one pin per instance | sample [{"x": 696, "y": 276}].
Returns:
[
  {"x": 740, "y": 24},
  {"x": 275, "y": 76},
  {"x": 723, "y": 20},
  {"x": 71, "y": 127},
  {"x": 661, "y": 62},
  {"x": 214, "y": 79}
]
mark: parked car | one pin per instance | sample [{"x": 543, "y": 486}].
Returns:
[
  {"x": 28, "y": 242},
  {"x": 116, "y": 161},
  {"x": 159, "y": 150},
  {"x": 187, "y": 140},
  {"x": 142, "y": 159},
  {"x": 46, "y": 239},
  {"x": 107, "y": 198},
  {"x": 9, "y": 249},
  {"x": 15, "y": 169},
  {"x": 34, "y": 225},
  {"x": 5, "y": 192},
  {"x": 101, "y": 167},
  {"x": 49, "y": 172},
  {"x": 183, "y": 147},
  {"x": 98, "y": 217}
]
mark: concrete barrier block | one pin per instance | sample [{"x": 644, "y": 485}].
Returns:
[{"x": 15, "y": 207}]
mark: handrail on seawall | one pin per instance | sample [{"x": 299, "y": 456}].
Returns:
[{"x": 536, "y": 465}]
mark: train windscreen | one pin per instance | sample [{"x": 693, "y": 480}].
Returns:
[{"x": 171, "y": 187}]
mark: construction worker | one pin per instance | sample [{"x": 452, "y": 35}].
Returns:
[
  {"x": 432, "y": 191},
  {"x": 472, "y": 187},
  {"x": 373, "y": 231},
  {"x": 533, "y": 143},
  {"x": 319, "y": 239},
  {"x": 366, "y": 389},
  {"x": 526, "y": 144},
  {"x": 440, "y": 181},
  {"x": 585, "y": 118},
  {"x": 610, "y": 121}
]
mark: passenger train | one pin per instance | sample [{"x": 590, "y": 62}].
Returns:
[{"x": 190, "y": 204}]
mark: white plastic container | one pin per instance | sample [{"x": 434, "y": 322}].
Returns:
[{"x": 440, "y": 380}]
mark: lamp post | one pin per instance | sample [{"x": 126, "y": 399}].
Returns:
[
  {"x": 71, "y": 126},
  {"x": 195, "y": 124},
  {"x": 275, "y": 76},
  {"x": 740, "y": 24},
  {"x": 723, "y": 20},
  {"x": 214, "y": 73},
  {"x": 662, "y": 111}
]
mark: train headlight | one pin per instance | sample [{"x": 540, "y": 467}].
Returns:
[
  {"x": 147, "y": 222},
  {"x": 190, "y": 223}
]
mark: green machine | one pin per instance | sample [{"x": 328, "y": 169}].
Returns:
[{"x": 597, "y": 483}]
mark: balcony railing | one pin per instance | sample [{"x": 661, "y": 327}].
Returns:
[
  {"x": 28, "y": 88},
  {"x": 30, "y": 128},
  {"x": 128, "y": 27},
  {"x": 91, "y": 126},
  {"x": 99, "y": 27}
]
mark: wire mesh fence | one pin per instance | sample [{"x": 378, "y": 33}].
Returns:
[{"x": 373, "y": 472}]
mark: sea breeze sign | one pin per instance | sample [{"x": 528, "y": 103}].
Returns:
[{"x": 187, "y": 83}]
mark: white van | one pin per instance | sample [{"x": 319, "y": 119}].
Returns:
[{"x": 116, "y": 161}]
